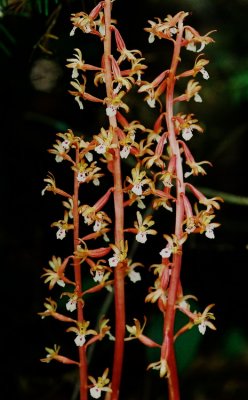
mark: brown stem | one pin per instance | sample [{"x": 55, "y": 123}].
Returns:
[
  {"x": 119, "y": 218},
  {"x": 168, "y": 350},
  {"x": 78, "y": 281}
]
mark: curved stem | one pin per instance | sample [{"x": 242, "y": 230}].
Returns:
[{"x": 119, "y": 220}]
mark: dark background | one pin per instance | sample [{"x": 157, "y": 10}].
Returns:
[{"x": 212, "y": 367}]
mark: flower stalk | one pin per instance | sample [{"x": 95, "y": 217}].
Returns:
[
  {"x": 168, "y": 352},
  {"x": 83, "y": 374},
  {"x": 119, "y": 274}
]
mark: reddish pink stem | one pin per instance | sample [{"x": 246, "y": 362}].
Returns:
[
  {"x": 119, "y": 221},
  {"x": 168, "y": 351}
]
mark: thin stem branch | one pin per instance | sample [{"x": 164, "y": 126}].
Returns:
[{"x": 78, "y": 281}]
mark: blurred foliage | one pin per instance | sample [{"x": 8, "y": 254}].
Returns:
[
  {"x": 6, "y": 41},
  {"x": 239, "y": 85},
  {"x": 27, "y": 7}
]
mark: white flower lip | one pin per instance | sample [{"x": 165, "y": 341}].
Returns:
[
  {"x": 95, "y": 392},
  {"x": 79, "y": 340},
  {"x": 61, "y": 233}
]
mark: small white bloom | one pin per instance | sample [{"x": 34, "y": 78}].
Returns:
[
  {"x": 151, "y": 38},
  {"x": 184, "y": 304},
  {"x": 138, "y": 80},
  {"x": 71, "y": 305},
  {"x": 191, "y": 47},
  {"x": 106, "y": 238},
  {"x": 87, "y": 28},
  {"x": 101, "y": 148},
  {"x": 117, "y": 89},
  {"x": 166, "y": 252},
  {"x": 66, "y": 144},
  {"x": 187, "y": 174},
  {"x": 79, "y": 340},
  {"x": 72, "y": 33},
  {"x": 113, "y": 261},
  {"x": 137, "y": 189},
  {"x": 125, "y": 152},
  {"x": 60, "y": 233},
  {"x": 87, "y": 220},
  {"x": 204, "y": 73},
  {"x": 58, "y": 158},
  {"x": 187, "y": 133},
  {"x": 61, "y": 283},
  {"x": 79, "y": 101},
  {"x": 96, "y": 182},
  {"x": 95, "y": 392},
  {"x": 141, "y": 237},
  {"x": 111, "y": 110},
  {"x": 89, "y": 156},
  {"x": 134, "y": 276},
  {"x": 98, "y": 276},
  {"x": 202, "y": 327},
  {"x": 97, "y": 226},
  {"x": 173, "y": 30},
  {"x": 209, "y": 232},
  {"x": 81, "y": 177},
  {"x": 151, "y": 102},
  {"x": 75, "y": 73},
  {"x": 197, "y": 98},
  {"x": 189, "y": 36}
]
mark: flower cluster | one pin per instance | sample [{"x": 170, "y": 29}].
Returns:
[{"x": 158, "y": 167}]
